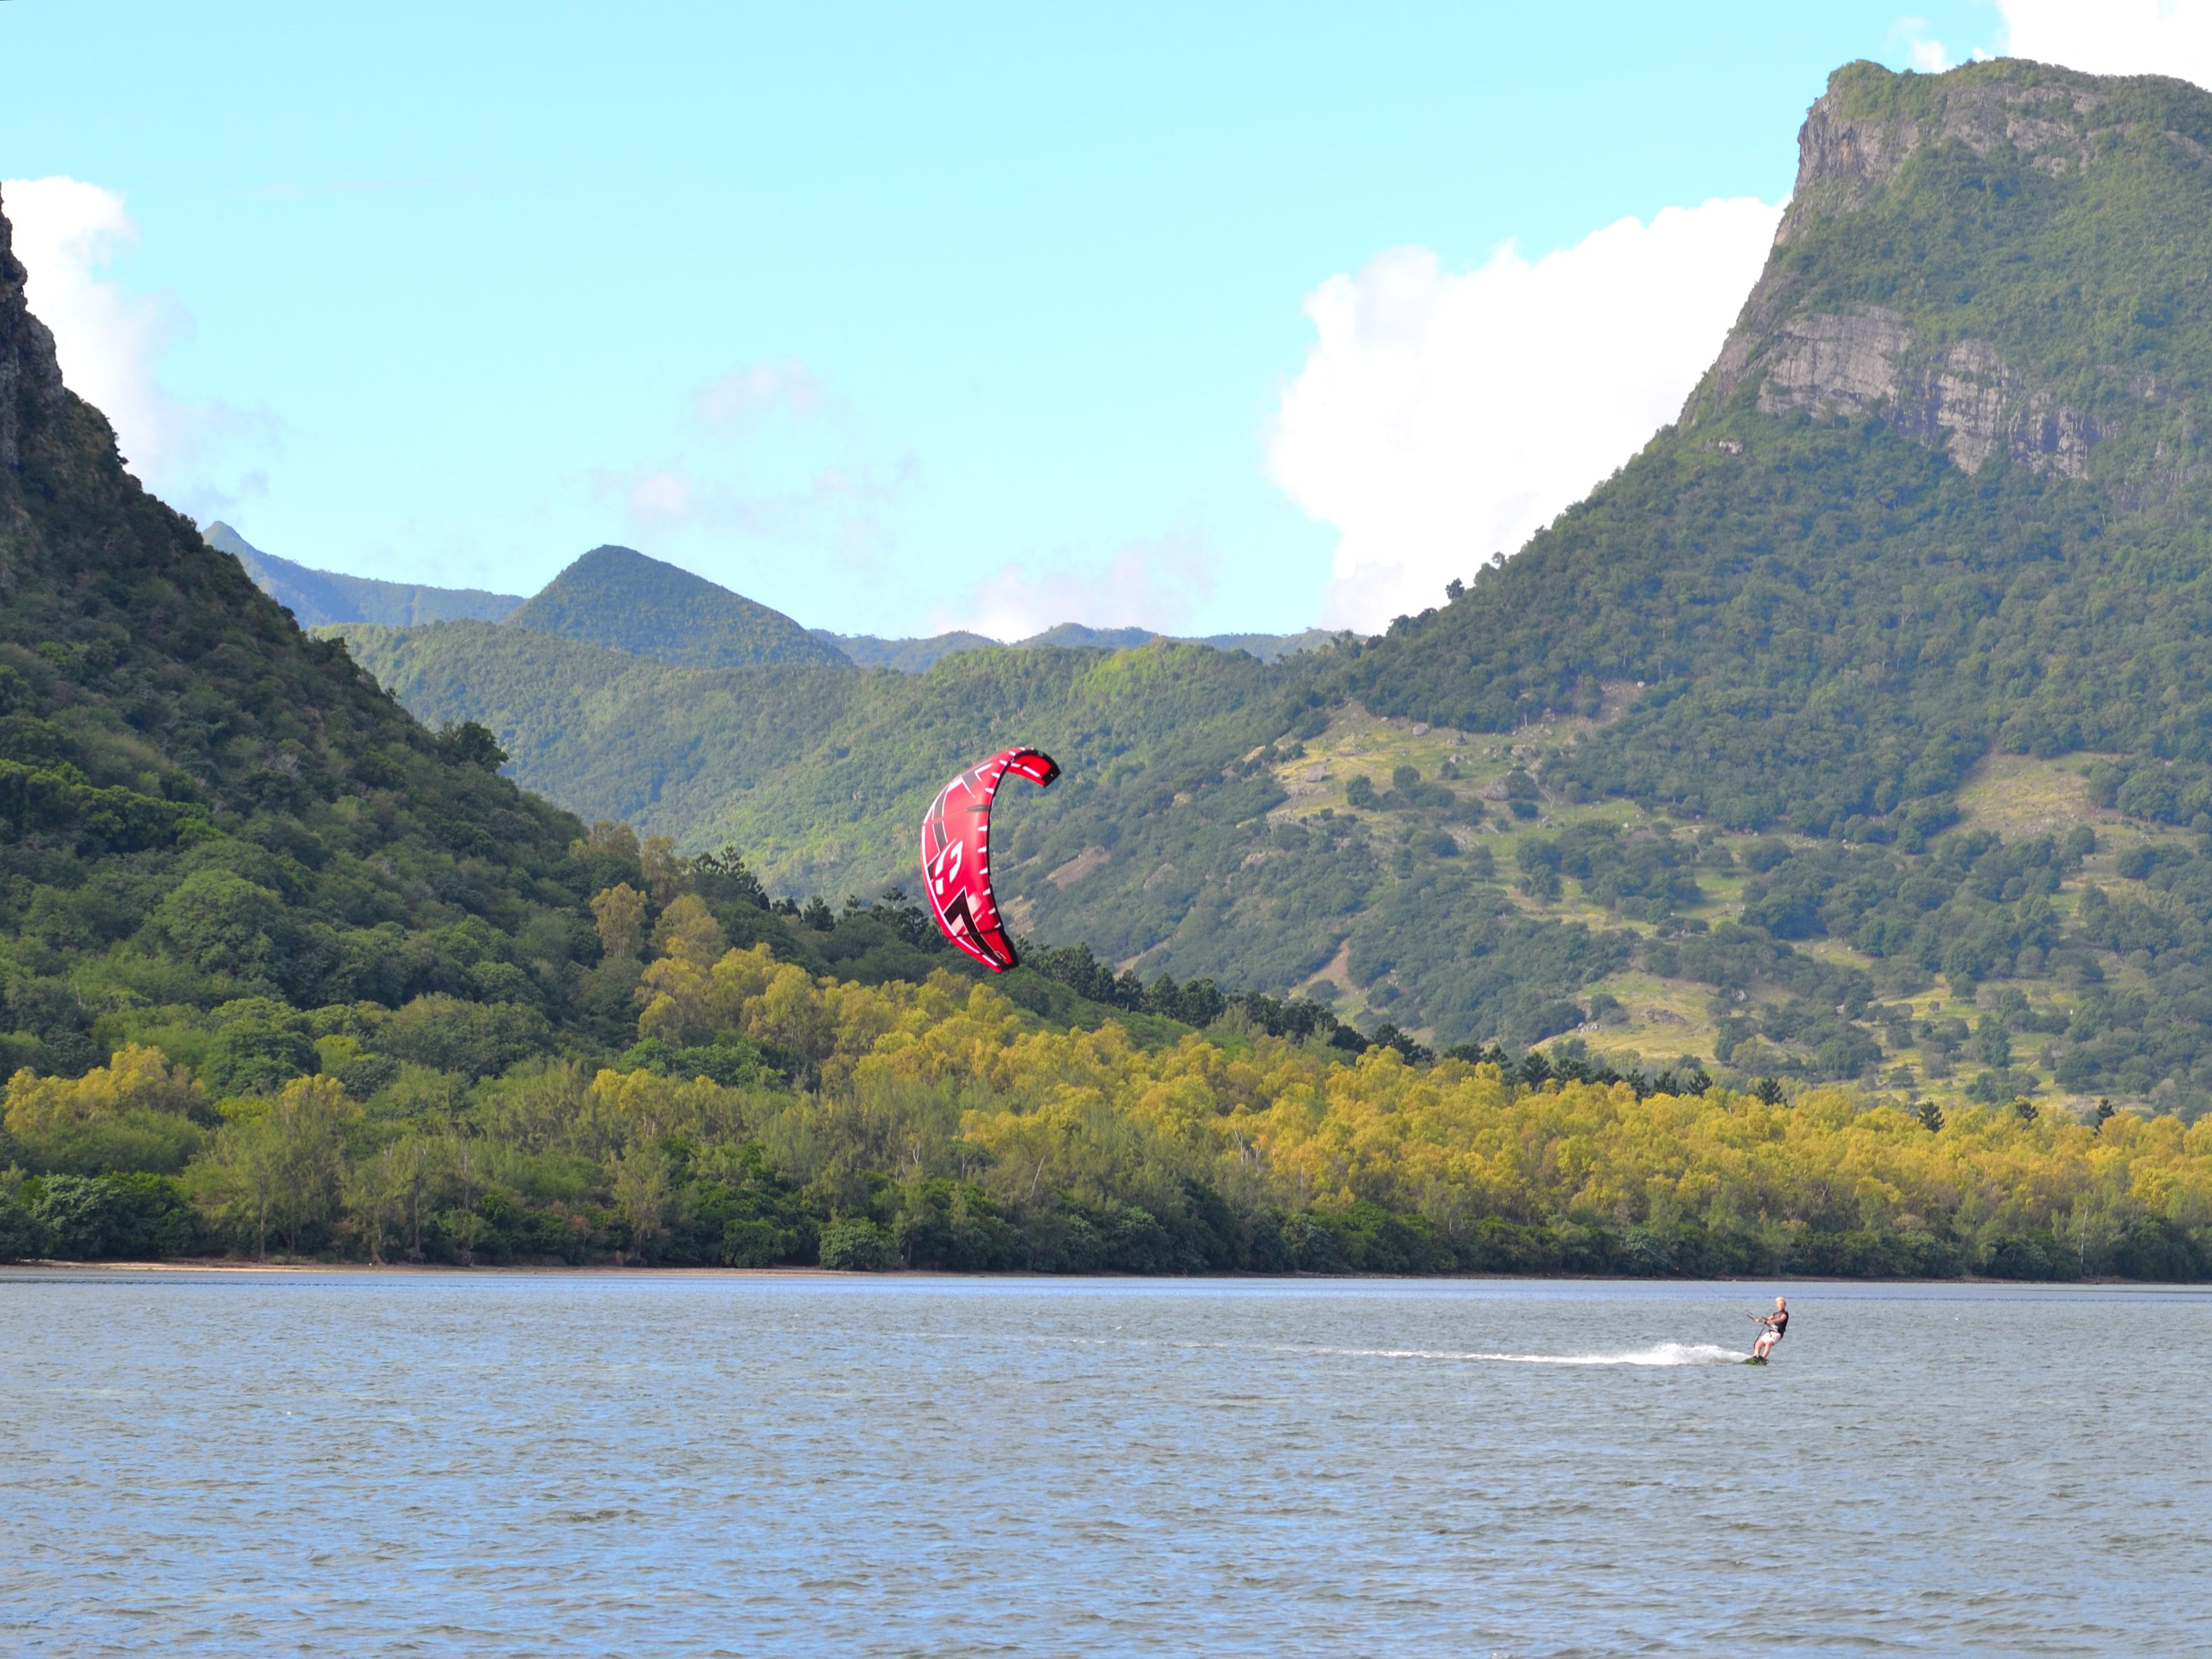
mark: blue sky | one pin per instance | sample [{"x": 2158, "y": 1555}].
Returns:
[{"x": 892, "y": 317}]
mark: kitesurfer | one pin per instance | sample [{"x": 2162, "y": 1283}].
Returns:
[{"x": 1777, "y": 1324}]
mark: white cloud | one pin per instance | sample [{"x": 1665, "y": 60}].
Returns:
[
  {"x": 65, "y": 231},
  {"x": 1154, "y": 584},
  {"x": 662, "y": 495},
  {"x": 2114, "y": 37},
  {"x": 1921, "y": 51},
  {"x": 746, "y": 393},
  {"x": 1440, "y": 417},
  {"x": 769, "y": 455},
  {"x": 110, "y": 341},
  {"x": 838, "y": 508}
]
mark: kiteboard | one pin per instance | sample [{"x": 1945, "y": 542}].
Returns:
[{"x": 1754, "y": 1360}]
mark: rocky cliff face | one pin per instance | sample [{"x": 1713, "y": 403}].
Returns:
[
  {"x": 2025, "y": 149},
  {"x": 1967, "y": 401},
  {"x": 1860, "y": 134},
  {"x": 30, "y": 377}
]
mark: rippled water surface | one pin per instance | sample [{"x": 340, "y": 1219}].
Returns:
[{"x": 241, "y": 1463}]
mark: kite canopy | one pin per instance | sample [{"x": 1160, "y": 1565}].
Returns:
[{"x": 955, "y": 855}]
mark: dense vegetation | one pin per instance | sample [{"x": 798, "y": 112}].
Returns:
[
  {"x": 618, "y": 598},
  {"x": 198, "y": 804},
  {"x": 317, "y": 598},
  {"x": 1165, "y": 836},
  {"x": 769, "y": 1116}
]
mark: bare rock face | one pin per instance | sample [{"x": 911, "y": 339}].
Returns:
[
  {"x": 1843, "y": 157},
  {"x": 1834, "y": 365},
  {"x": 1960, "y": 396},
  {"x": 1969, "y": 403},
  {"x": 1974, "y": 405},
  {"x": 30, "y": 377}
]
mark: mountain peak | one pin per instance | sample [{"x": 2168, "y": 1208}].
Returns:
[
  {"x": 613, "y": 556},
  {"x": 1861, "y": 132},
  {"x": 619, "y": 598},
  {"x": 224, "y": 538},
  {"x": 2000, "y": 262}
]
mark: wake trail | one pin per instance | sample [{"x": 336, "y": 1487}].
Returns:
[{"x": 1660, "y": 1353}]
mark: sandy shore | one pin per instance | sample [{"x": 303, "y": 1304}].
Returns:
[{"x": 439, "y": 1270}]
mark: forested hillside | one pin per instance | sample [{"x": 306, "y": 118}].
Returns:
[
  {"x": 201, "y": 804},
  {"x": 908, "y": 656},
  {"x": 938, "y": 1124}
]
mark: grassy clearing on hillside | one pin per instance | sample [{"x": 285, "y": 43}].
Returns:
[
  {"x": 2018, "y": 796},
  {"x": 1634, "y": 1016}
]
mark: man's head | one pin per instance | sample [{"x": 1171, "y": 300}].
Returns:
[{"x": 1780, "y": 1303}]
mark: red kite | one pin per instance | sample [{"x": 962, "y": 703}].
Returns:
[{"x": 955, "y": 855}]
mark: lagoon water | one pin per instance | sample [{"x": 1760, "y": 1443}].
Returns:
[{"x": 637, "y": 1464}]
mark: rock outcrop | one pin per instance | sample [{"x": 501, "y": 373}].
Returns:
[
  {"x": 1973, "y": 404},
  {"x": 1849, "y": 147},
  {"x": 30, "y": 377},
  {"x": 1832, "y": 364},
  {"x": 1969, "y": 401},
  {"x": 1935, "y": 370}
]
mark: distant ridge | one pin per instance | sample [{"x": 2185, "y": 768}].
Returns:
[
  {"x": 1074, "y": 636},
  {"x": 908, "y": 656},
  {"x": 319, "y": 598},
  {"x": 618, "y": 598},
  {"x": 915, "y": 656},
  {"x": 1273, "y": 647}
]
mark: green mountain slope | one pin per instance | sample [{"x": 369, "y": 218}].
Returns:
[
  {"x": 316, "y": 597},
  {"x": 200, "y": 804},
  {"x": 1944, "y": 488},
  {"x": 1273, "y": 647},
  {"x": 1267, "y": 648},
  {"x": 822, "y": 774},
  {"x": 620, "y": 598},
  {"x": 1183, "y": 833},
  {"x": 616, "y": 735},
  {"x": 1074, "y": 636}
]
